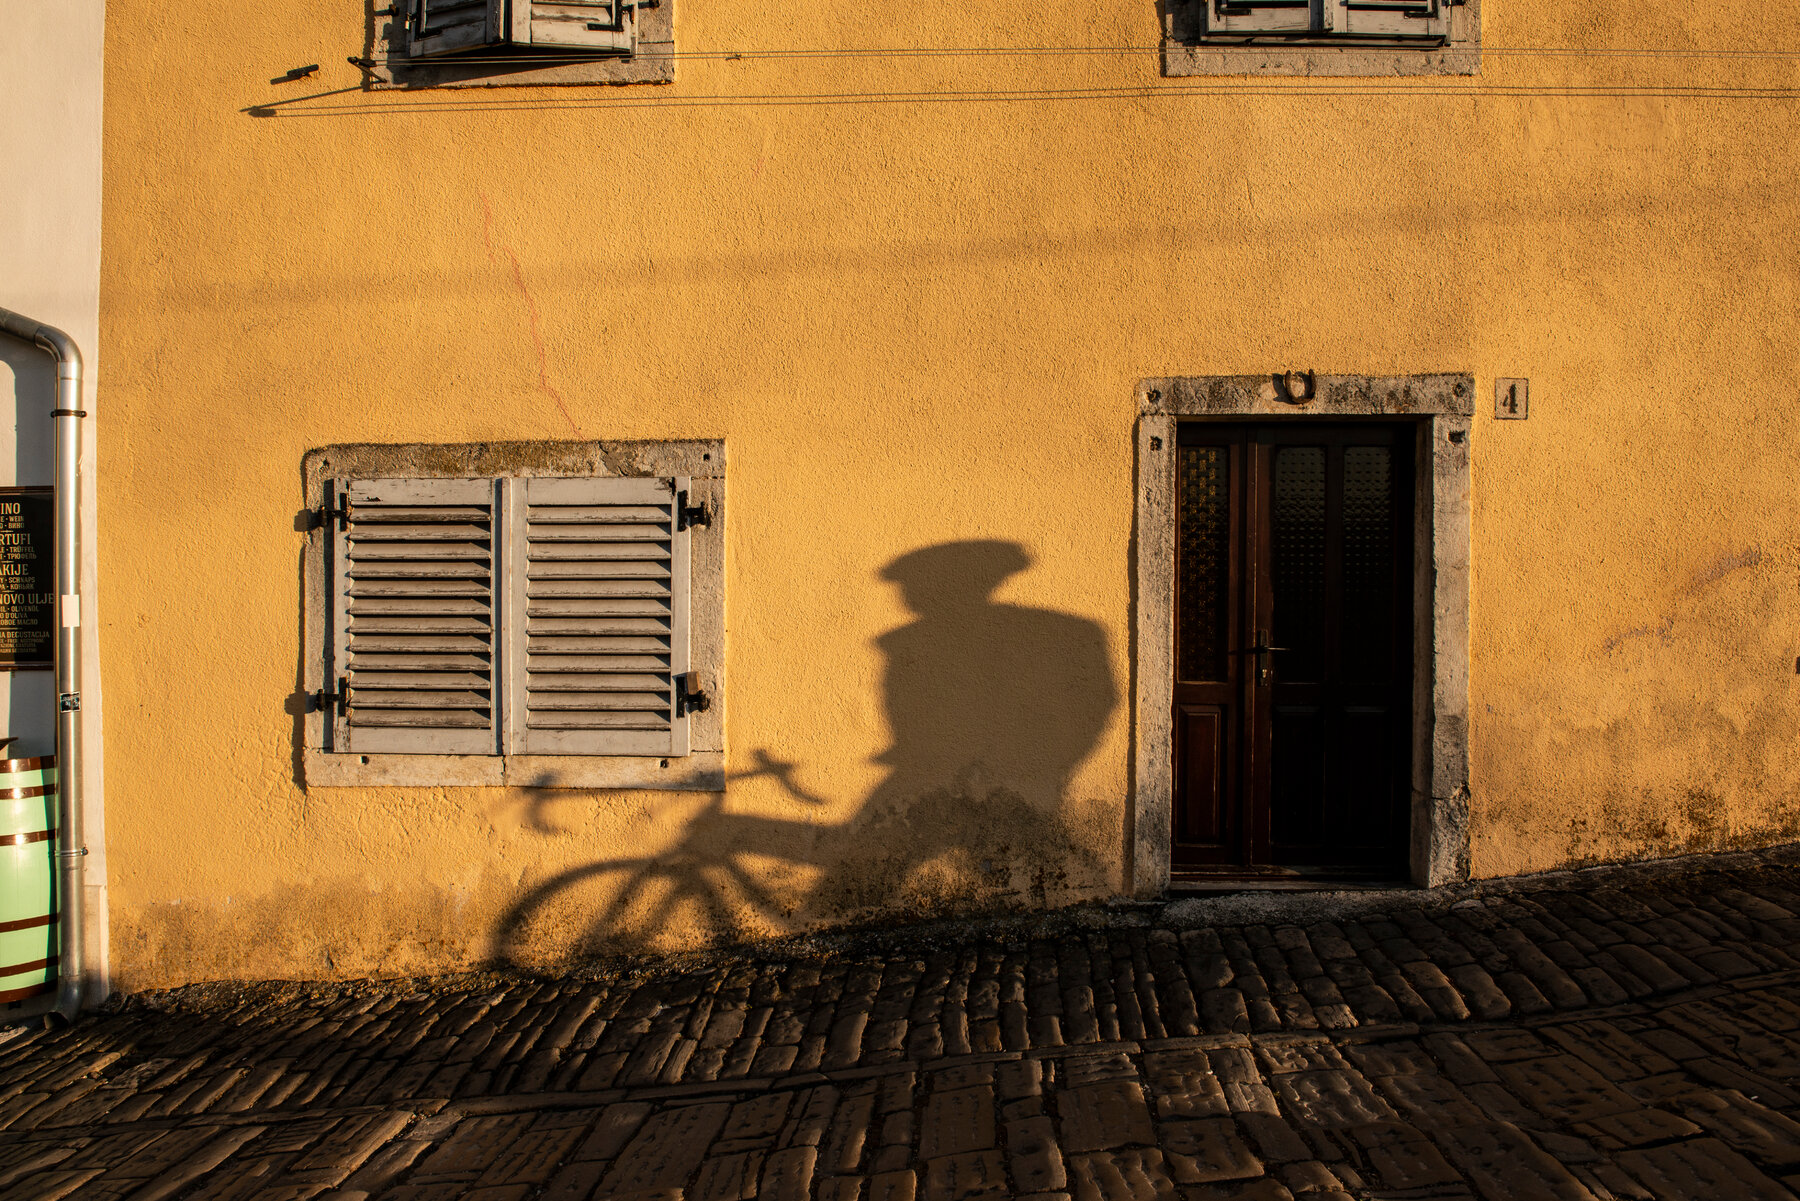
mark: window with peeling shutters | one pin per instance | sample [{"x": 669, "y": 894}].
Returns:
[
  {"x": 510, "y": 616},
  {"x": 1328, "y": 20},
  {"x": 1271, "y": 16},
  {"x": 436, "y": 27}
]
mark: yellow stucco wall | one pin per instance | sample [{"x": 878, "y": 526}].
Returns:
[{"x": 918, "y": 319}]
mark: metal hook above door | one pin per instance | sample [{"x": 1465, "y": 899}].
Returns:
[{"x": 1286, "y": 381}]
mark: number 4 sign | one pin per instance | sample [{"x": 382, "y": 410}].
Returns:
[{"x": 1511, "y": 399}]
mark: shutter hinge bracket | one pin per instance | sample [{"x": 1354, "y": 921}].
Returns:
[
  {"x": 338, "y": 699},
  {"x": 687, "y": 702},
  {"x": 338, "y": 509},
  {"x": 686, "y": 517}
]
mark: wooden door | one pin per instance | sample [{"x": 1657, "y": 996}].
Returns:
[{"x": 1293, "y": 649}]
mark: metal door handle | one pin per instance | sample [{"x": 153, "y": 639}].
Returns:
[{"x": 1262, "y": 650}]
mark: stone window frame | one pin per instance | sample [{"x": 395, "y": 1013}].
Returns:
[
  {"x": 1442, "y": 409},
  {"x": 701, "y": 769},
  {"x": 1185, "y": 54},
  {"x": 386, "y": 64}
]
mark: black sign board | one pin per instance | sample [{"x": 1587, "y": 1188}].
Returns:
[{"x": 27, "y": 578}]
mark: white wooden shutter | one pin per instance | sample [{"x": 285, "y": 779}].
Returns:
[
  {"x": 1395, "y": 18},
  {"x": 414, "y": 617},
  {"x": 577, "y": 24},
  {"x": 604, "y": 590},
  {"x": 1259, "y": 16},
  {"x": 443, "y": 26}
]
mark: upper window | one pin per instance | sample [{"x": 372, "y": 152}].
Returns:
[
  {"x": 484, "y": 43},
  {"x": 513, "y": 615},
  {"x": 446, "y": 26},
  {"x": 1324, "y": 37}
]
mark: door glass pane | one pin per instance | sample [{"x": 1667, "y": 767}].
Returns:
[
  {"x": 1202, "y": 563},
  {"x": 1297, "y": 562},
  {"x": 1368, "y": 563}
]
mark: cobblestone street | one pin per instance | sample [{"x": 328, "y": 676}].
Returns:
[{"x": 1619, "y": 1033}]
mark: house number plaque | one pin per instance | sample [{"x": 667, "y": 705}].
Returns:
[
  {"x": 27, "y": 578},
  {"x": 1512, "y": 399}
]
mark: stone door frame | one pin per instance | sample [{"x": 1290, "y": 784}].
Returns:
[{"x": 1441, "y": 408}]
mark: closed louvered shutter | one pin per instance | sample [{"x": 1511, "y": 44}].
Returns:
[
  {"x": 1395, "y": 18},
  {"x": 600, "y": 573},
  {"x": 443, "y": 26},
  {"x": 1259, "y": 16},
  {"x": 576, "y": 24},
  {"x": 414, "y": 617}
]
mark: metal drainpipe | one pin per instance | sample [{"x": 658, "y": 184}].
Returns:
[{"x": 67, "y": 417}]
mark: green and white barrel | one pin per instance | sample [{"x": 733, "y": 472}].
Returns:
[{"x": 28, "y": 845}]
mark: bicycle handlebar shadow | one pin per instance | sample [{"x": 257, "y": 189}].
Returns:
[{"x": 992, "y": 707}]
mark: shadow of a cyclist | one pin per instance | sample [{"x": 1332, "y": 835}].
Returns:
[{"x": 991, "y": 705}]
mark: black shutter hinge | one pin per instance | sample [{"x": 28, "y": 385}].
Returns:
[
  {"x": 335, "y": 508},
  {"x": 686, "y": 517},
  {"x": 687, "y": 701},
  {"x": 338, "y": 699}
]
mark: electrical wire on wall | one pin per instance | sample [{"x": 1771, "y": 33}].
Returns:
[
  {"x": 454, "y": 99},
  {"x": 1082, "y": 51}
]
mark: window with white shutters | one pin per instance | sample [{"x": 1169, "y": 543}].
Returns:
[
  {"x": 511, "y": 616},
  {"x": 436, "y": 27}
]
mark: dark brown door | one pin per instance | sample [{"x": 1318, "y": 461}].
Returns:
[{"x": 1293, "y": 649}]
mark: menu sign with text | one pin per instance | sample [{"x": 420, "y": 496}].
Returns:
[{"x": 27, "y": 578}]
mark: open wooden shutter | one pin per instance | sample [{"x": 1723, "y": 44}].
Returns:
[
  {"x": 1259, "y": 16},
  {"x": 414, "y": 617},
  {"x": 1395, "y": 18},
  {"x": 603, "y": 588},
  {"x": 443, "y": 26},
  {"x": 577, "y": 24}
]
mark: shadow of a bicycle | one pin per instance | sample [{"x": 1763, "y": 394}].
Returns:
[{"x": 992, "y": 706}]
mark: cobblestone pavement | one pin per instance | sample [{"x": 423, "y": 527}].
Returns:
[{"x": 1620, "y": 1033}]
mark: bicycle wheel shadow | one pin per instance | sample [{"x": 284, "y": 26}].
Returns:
[{"x": 991, "y": 706}]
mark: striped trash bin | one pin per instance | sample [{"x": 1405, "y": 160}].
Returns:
[{"x": 28, "y": 845}]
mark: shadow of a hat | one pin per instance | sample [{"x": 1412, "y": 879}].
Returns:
[{"x": 952, "y": 573}]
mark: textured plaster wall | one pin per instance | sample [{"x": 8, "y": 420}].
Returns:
[{"x": 914, "y": 295}]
